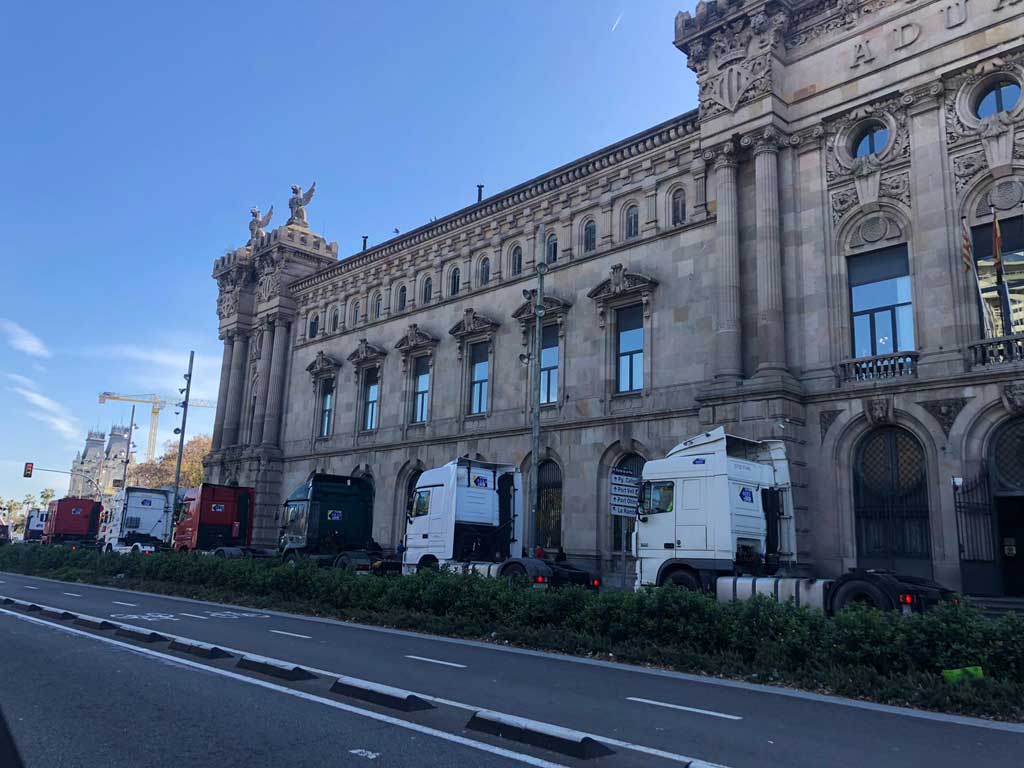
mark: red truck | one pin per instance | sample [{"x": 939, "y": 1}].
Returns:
[
  {"x": 214, "y": 518},
  {"x": 72, "y": 522}
]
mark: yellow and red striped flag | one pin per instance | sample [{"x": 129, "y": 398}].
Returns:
[
  {"x": 967, "y": 247},
  {"x": 997, "y": 246}
]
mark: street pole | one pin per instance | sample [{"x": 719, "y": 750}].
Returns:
[
  {"x": 181, "y": 434},
  {"x": 542, "y": 267},
  {"x": 128, "y": 450}
]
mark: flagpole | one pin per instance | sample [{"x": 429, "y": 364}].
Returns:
[
  {"x": 967, "y": 253},
  {"x": 997, "y": 259}
]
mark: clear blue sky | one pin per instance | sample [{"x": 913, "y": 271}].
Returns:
[{"x": 137, "y": 136}]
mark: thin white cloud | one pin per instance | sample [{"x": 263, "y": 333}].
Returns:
[
  {"x": 162, "y": 370},
  {"x": 22, "y": 339},
  {"x": 617, "y": 20},
  {"x": 49, "y": 412},
  {"x": 22, "y": 381}
]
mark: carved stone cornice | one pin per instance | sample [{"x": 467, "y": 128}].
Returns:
[
  {"x": 722, "y": 156},
  {"x": 415, "y": 340},
  {"x": 621, "y": 286},
  {"x": 367, "y": 354},
  {"x": 323, "y": 365},
  {"x": 555, "y": 310},
  {"x": 767, "y": 139}
]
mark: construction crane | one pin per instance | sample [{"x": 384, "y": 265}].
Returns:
[{"x": 156, "y": 404}]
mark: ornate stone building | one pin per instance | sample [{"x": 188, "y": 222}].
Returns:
[
  {"x": 102, "y": 464},
  {"x": 786, "y": 260}
]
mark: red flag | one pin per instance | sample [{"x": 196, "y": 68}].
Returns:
[
  {"x": 997, "y": 248},
  {"x": 967, "y": 247}
]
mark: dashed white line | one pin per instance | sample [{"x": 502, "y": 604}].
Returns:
[
  {"x": 27, "y": 586},
  {"x": 684, "y": 709},
  {"x": 193, "y": 615},
  {"x": 291, "y": 634},
  {"x": 130, "y": 605},
  {"x": 72, "y": 594},
  {"x": 436, "y": 661}
]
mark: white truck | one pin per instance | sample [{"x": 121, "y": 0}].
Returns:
[
  {"x": 717, "y": 515},
  {"x": 138, "y": 520},
  {"x": 35, "y": 521},
  {"x": 468, "y": 516}
]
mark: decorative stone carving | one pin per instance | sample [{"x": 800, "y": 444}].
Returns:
[
  {"x": 366, "y": 353},
  {"x": 554, "y": 309},
  {"x": 297, "y": 204},
  {"x": 826, "y": 420},
  {"x": 415, "y": 340},
  {"x": 962, "y": 91},
  {"x": 473, "y": 324},
  {"x": 966, "y": 167},
  {"x": 878, "y": 410},
  {"x": 890, "y": 112},
  {"x": 1003, "y": 196},
  {"x": 896, "y": 186},
  {"x": 996, "y": 134},
  {"x": 323, "y": 365},
  {"x": 1013, "y": 397},
  {"x": 258, "y": 224},
  {"x": 843, "y": 200},
  {"x": 622, "y": 284},
  {"x": 874, "y": 230},
  {"x": 945, "y": 411}
]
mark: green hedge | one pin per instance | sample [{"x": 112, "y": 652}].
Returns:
[{"x": 861, "y": 653}]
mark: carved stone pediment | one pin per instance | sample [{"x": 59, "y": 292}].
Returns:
[
  {"x": 473, "y": 323},
  {"x": 945, "y": 411},
  {"x": 623, "y": 285},
  {"x": 415, "y": 339},
  {"x": 553, "y": 306},
  {"x": 366, "y": 353},
  {"x": 878, "y": 410},
  {"x": 323, "y": 365}
]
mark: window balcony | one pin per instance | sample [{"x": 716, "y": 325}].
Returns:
[
  {"x": 879, "y": 368},
  {"x": 998, "y": 351}
]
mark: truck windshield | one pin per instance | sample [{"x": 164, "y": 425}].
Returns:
[
  {"x": 295, "y": 517},
  {"x": 421, "y": 504},
  {"x": 658, "y": 496}
]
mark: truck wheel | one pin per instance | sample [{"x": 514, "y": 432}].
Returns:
[
  {"x": 219, "y": 553},
  {"x": 291, "y": 560},
  {"x": 341, "y": 562},
  {"x": 685, "y": 580},
  {"x": 428, "y": 563},
  {"x": 514, "y": 573},
  {"x": 861, "y": 592}
]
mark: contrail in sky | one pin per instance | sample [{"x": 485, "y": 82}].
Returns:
[{"x": 617, "y": 20}]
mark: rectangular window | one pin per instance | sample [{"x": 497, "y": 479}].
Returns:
[
  {"x": 479, "y": 375},
  {"x": 882, "y": 315},
  {"x": 1002, "y": 290},
  {"x": 421, "y": 388},
  {"x": 371, "y": 393},
  {"x": 549, "y": 364},
  {"x": 659, "y": 497},
  {"x": 326, "y": 406},
  {"x": 630, "y": 327}
]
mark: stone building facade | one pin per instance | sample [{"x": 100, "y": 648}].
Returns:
[
  {"x": 786, "y": 260},
  {"x": 100, "y": 464}
]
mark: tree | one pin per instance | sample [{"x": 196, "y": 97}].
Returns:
[
  {"x": 46, "y": 496},
  {"x": 153, "y": 474}
]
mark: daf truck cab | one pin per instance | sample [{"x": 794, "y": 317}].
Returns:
[
  {"x": 139, "y": 520},
  {"x": 717, "y": 515}
]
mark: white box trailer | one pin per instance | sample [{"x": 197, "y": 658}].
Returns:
[
  {"x": 138, "y": 520},
  {"x": 468, "y": 516},
  {"x": 717, "y": 515}
]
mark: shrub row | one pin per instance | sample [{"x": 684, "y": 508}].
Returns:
[{"x": 861, "y": 653}]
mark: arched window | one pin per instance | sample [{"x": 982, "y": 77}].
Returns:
[
  {"x": 314, "y": 325},
  {"x": 517, "y": 260},
  {"x": 590, "y": 236},
  {"x": 355, "y": 312},
  {"x": 454, "y": 282},
  {"x": 548, "y": 525},
  {"x": 870, "y": 140},
  {"x": 428, "y": 290},
  {"x": 378, "y": 306},
  {"x": 485, "y": 271},
  {"x": 1000, "y": 96},
  {"x": 632, "y": 222},
  {"x": 402, "y": 295},
  {"x": 551, "y": 249},
  {"x": 890, "y": 503},
  {"x": 632, "y": 464},
  {"x": 678, "y": 207},
  {"x": 335, "y": 320}
]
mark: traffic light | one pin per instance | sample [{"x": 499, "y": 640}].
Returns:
[{"x": 28, "y": 468}]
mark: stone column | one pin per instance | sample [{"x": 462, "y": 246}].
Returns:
[
  {"x": 222, "y": 390},
  {"x": 728, "y": 362},
  {"x": 771, "y": 336},
  {"x": 263, "y": 381},
  {"x": 234, "y": 405},
  {"x": 275, "y": 392}
]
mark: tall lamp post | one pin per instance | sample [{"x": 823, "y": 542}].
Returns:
[
  {"x": 180, "y": 431},
  {"x": 540, "y": 264}
]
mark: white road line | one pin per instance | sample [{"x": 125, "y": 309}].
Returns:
[
  {"x": 30, "y": 587},
  {"x": 407, "y": 725},
  {"x": 684, "y": 709},
  {"x": 291, "y": 634},
  {"x": 193, "y": 615},
  {"x": 436, "y": 661},
  {"x": 130, "y": 605},
  {"x": 72, "y": 594}
]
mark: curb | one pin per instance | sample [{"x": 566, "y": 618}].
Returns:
[
  {"x": 384, "y": 695},
  {"x": 203, "y": 650},
  {"x": 274, "y": 668},
  {"x": 145, "y": 635},
  {"x": 537, "y": 734},
  {"x": 92, "y": 622}
]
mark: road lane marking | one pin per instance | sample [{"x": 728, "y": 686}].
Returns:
[
  {"x": 130, "y": 605},
  {"x": 30, "y": 587},
  {"x": 684, "y": 709},
  {"x": 364, "y": 753},
  {"x": 369, "y": 714},
  {"x": 436, "y": 661},
  {"x": 193, "y": 615},
  {"x": 291, "y": 634},
  {"x": 72, "y": 594}
]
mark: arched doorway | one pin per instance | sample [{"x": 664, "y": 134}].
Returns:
[
  {"x": 622, "y": 527},
  {"x": 890, "y": 503},
  {"x": 1007, "y": 461},
  {"x": 548, "y": 526}
]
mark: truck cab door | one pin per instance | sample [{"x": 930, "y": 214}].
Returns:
[
  {"x": 417, "y": 530},
  {"x": 656, "y": 530},
  {"x": 692, "y": 515}
]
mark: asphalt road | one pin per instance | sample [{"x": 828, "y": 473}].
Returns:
[{"x": 644, "y": 712}]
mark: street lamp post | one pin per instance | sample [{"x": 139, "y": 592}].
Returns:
[
  {"x": 181, "y": 435},
  {"x": 541, "y": 266}
]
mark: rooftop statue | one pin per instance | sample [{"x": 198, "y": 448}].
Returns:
[
  {"x": 298, "y": 202},
  {"x": 257, "y": 224}
]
